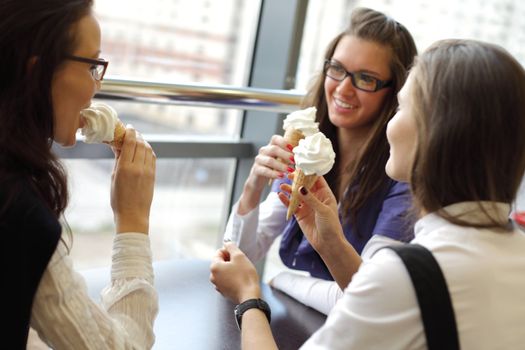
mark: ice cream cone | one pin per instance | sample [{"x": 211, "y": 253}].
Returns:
[
  {"x": 118, "y": 135},
  {"x": 292, "y": 136},
  {"x": 314, "y": 157},
  {"x": 102, "y": 125},
  {"x": 298, "y": 125},
  {"x": 300, "y": 179}
]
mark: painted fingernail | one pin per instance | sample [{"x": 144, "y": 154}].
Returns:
[
  {"x": 290, "y": 147},
  {"x": 292, "y": 159},
  {"x": 290, "y": 170},
  {"x": 303, "y": 190},
  {"x": 280, "y": 175}
]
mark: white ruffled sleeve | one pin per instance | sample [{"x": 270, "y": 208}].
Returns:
[
  {"x": 255, "y": 232},
  {"x": 65, "y": 317},
  {"x": 316, "y": 293}
]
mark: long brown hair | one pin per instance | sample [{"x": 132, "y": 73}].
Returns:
[
  {"x": 369, "y": 168},
  {"x": 35, "y": 36},
  {"x": 469, "y": 102}
]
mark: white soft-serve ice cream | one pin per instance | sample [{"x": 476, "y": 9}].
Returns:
[
  {"x": 299, "y": 124},
  {"x": 303, "y": 121},
  {"x": 102, "y": 125},
  {"x": 314, "y": 156}
]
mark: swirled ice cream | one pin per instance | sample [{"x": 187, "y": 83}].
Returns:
[
  {"x": 299, "y": 124},
  {"x": 302, "y": 120},
  {"x": 102, "y": 125},
  {"x": 314, "y": 157}
]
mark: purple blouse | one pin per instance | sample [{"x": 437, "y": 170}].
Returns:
[{"x": 384, "y": 213}]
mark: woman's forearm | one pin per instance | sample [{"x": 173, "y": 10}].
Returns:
[
  {"x": 256, "y": 332},
  {"x": 342, "y": 261},
  {"x": 250, "y": 198}
]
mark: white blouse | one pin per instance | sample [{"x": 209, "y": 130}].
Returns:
[
  {"x": 65, "y": 317},
  {"x": 317, "y": 293},
  {"x": 256, "y": 231},
  {"x": 483, "y": 270}
]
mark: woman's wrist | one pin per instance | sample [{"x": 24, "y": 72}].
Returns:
[
  {"x": 334, "y": 244},
  {"x": 131, "y": 224},
  {"x": 255, "y": 184},
  {"x": 250, "y": 198},
  {"x": 249, "y": 293}
]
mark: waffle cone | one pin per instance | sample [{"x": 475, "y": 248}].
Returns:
[
  {"x": 292, "y": 136},
  {"x": 118, "y": 135},
  {"x": 300, "y": 179}
]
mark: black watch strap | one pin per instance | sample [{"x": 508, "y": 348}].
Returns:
[{"x": 250, "y": 304}]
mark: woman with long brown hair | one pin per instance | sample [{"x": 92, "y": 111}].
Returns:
[
  {"x": 461, "y": 119},
  {"x": 50, "y": 70},
  {"x": 355, "y": 95}
]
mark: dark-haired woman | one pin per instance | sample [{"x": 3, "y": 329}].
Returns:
[
  {"x": 458, "y": 154},
  {"x": 355, "y": 96},
  {"x": 50, "y": 70}
]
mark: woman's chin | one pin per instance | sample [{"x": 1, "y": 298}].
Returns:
[
  {"x": 394, "y": 173},
  {"x": 67, "y": 144}
]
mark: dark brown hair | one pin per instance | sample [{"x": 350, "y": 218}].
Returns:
[
  {"x": 369, "y": 169},
  {"x": 469, "y": 102},
  {"x": 35, "y": 35}
]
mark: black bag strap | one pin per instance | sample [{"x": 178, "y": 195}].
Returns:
[{"x": 433, "y": 298}]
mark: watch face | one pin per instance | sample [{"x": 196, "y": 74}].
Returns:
[{"x": 238, "y": 316}]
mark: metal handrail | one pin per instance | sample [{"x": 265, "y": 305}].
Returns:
[{"x": 216, "y": 96}]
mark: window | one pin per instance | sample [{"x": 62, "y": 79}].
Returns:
[
  {"x": 167, "y": 41},
  {"x": 497, "y": 21}
]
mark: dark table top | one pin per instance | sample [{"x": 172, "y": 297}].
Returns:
[{"x": 193, "y": 315}]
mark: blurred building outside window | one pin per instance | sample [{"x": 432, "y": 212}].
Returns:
[
  {"x": 211, "y": 42},
  {"x": 175, "y": 41}
]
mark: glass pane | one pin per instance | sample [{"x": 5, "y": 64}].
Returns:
[
  {"x": 496, "y": 21},
  {"x": 181, "y": 42},
  {"x": 186, "y": 215}
]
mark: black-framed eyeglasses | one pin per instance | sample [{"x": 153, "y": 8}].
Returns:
[
  {"x": 98, "y": 66},
  {"x": 361, "y": 81}
]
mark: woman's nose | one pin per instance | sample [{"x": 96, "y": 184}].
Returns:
[{"x": 346, "y": 86}]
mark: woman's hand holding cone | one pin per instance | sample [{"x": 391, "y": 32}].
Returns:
[{"x": 317, "y": 215}]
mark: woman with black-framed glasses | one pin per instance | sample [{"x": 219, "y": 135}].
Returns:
[
  {"x": 459, "y": 283},
  {"x": 355, "y": 95},
  {"x": 98, "y": 66},
  {"x": 50, "y": 69}
]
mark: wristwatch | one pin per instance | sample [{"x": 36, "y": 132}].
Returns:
[{"x": 250, "y": 304}]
